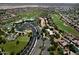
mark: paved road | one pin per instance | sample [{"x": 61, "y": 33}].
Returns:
[
  {"x": 33, "y": 39},
  {"x": 33, "y": 47},
  {"x": 46, "y": 46},
  {"x": 37, "y": 50}
]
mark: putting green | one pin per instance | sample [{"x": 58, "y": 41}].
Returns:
[{"x": 63, "y": 26}]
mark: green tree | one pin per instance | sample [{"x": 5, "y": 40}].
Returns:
[
  {"x": 57, "y": 36},
  {"x": 12, "y": 53},
  {"x": 17, "y": 42},
  {"x": 0, "y": 39}
]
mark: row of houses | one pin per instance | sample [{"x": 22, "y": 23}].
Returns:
[
  {"x": 73, "y": 21},
  {"x": 66, "y": 41}
]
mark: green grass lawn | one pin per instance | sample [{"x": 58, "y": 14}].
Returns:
[
  {"x": 11, "y": 46},
  {"x": 31, "y": 14},
  {"x": 63, "y": 26}
]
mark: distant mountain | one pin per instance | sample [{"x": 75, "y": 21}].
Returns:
[
  {"x": 16, "y": 5},
  {"x": 40, "y": 4}
]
